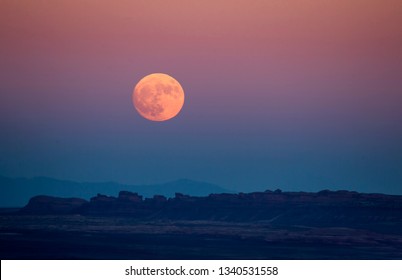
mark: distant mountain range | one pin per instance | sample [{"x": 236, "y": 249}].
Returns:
[{"x": 16, "y": 192}]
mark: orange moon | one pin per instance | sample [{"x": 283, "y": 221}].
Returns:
[{"x": 158, "y": 97}]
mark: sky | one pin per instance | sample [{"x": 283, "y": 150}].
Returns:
[{"x": 291, "y": 94}]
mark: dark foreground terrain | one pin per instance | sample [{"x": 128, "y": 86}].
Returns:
[
  {"x": 78, "y": 237},
  {"x": 268, "y": 225}
]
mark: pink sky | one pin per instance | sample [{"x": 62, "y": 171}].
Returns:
[{"x": 320, "y": 67}]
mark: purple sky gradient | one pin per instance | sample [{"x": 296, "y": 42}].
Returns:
[{"x": 302, "y": 95}]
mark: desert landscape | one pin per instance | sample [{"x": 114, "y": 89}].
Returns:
[{"x": 261, "y": 225}]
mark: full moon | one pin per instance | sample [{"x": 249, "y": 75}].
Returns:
[{"x": 158, "y": 97}]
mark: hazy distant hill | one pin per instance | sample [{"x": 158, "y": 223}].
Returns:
[{"x": 15, "y": 192}]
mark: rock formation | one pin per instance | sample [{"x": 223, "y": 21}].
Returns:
[
  {"x": 325, "y": 208},
  {"x": 42, "y": 205}
]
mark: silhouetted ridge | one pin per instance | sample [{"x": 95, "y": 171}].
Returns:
[
  {"x": 43, "y": 204},
  {"x": 15, "y": 192},
  {"x": 325, "y": 208}
]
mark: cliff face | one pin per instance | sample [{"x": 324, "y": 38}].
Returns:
[{"x": 326, "y": 208}]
